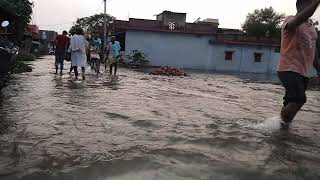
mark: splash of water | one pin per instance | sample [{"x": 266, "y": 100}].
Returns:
[{"x": 270, "y": 124}]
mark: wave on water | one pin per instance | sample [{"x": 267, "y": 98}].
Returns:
[{"x": 270, "y": 124}]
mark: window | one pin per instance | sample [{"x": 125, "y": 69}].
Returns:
[
  {"x": 172, "y": 25},
  {"x": 257, "y": 57},
  {"x": 228, "y": 55}
]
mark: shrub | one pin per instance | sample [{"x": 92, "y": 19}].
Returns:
[
  {"x": 136, "y": 59},
  {"x": 20, "y": 67},
  {"x": 24, "y": 56}
]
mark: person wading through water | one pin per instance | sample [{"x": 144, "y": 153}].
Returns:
[
  {"x": 298, "y": 55},
  {"x": 113, "y": 54},
  {"x": 62, "y": 42},
  {"x": 78, "y": 49}
]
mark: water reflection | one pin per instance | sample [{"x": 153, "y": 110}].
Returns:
[{"x": 112, "y": 83}]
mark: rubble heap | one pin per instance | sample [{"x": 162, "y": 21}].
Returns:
[{"x": 168, "y": 71}]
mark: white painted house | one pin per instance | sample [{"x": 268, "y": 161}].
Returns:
[{"x": 169, "y": 40}]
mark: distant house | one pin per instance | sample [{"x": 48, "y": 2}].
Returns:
[
  {"x": 170, "y": 40},
  {"x": 48, "y": 39},
  {"x": 31, "y": 39}
]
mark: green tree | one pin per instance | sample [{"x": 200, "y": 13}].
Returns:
[
  {"x": 24, "y": 10},
  {"x": 262, "y": 22},
  {"x": 93, "y": 24}
]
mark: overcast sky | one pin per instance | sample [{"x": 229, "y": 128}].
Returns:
[{"x": 59, "y": 14}]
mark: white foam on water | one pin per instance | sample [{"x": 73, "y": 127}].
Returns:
[
  {"x": 89, "y": 70},
  {"x": 270, "y": 124},
  {"x": 77, "y": 81}
]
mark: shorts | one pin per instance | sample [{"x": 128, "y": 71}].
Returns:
[{"x": 295, "y": 85}]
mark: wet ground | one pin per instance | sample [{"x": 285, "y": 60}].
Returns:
[{"x": 136, "y": 126}]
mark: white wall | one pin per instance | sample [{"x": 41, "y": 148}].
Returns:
[
  {"x": 180, "y": 50},
  {"x": 243, "y": 58},
  {"x": 274, "y": 64},
  {"x": 247, "y": 60},
  {"x": 218, "y": 58}
]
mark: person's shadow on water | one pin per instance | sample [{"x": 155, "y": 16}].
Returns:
[{"x": 112, "y": 82}]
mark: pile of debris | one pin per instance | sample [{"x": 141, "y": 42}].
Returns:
[{"x": 168, "y": 71}]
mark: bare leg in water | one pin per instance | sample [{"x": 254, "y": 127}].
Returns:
[
  {"x": 115, "y": 68},
  {"x": 110, "y": 69},
  {"x": 76, "y": 71},
  {"x": 289, "y": 111},
  {"x": 83, "y": 73},
  {"x": 105, "y": 63},
  {"x": 71, "y": 68},
  {"x": 56, "y": 70},
  {"x": 98, "y": 66}
]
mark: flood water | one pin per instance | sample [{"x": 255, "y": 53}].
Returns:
[{"x": 141, "y": 127}]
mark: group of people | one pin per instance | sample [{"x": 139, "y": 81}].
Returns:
[{"x": 77, "y": 49}]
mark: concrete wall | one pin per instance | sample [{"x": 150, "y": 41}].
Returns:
[
  {"x": 195, "y": 52},
  {"x": 180, "y": 50},
  {"x": 218, "y": 58},
  {"x": 243, "y": 59},
  {"x": 274, "y": 63}
]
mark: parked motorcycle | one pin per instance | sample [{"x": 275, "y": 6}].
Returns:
[{"x": 8, "y": 53}]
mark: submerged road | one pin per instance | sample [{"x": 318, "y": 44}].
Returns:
[{"x": 136, "y": 126}]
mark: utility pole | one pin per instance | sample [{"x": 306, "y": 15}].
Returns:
[{"x": 105, "y": 26}]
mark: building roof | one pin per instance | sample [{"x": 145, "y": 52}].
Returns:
[
  {"x": 230, "y": 31},
  {"x": 172, "y": 12},
  {"x": 269, "y": 43}
]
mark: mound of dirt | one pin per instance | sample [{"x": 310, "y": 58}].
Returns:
[{"x": 168, "y": 71}]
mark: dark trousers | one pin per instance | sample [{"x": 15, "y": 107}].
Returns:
[
  {"x": 115, "y": 65},
  {"x": 295, "y": 85},
  {"x": 60, "y": 55}
]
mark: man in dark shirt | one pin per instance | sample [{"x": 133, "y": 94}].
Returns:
[{"x": 62, "y": 42}]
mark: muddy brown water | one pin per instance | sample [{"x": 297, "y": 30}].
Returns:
[{"x": 136, "y": 126}]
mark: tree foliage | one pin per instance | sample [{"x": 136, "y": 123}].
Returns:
[
  {"x": 262, "y": 22},
  {"x": 137, "y": 59},
  {"x": 93, "y": 24},
  {"x": 24, "y": 10}
]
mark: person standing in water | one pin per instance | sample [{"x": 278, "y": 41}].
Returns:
[
  {"x": 62, "y": 42},
  {"x": 113, "y": 54},
  {"x": 78, "y": 49},
  {"x": 297, "y": 56}
]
